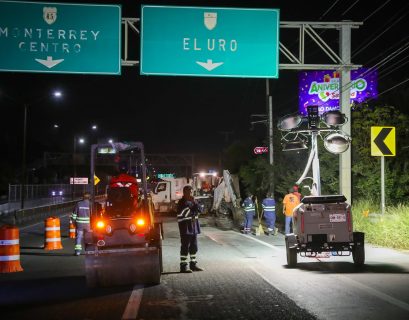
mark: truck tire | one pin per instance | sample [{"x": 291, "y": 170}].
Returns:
[{"x": 291, "y": 255}]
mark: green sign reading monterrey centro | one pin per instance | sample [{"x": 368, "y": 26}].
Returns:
[
  {"x": 60, "y": 38},
  {"x": 209, "y": 42}
]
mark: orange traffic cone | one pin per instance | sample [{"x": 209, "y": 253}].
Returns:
[
  {"x": 72, "y": 230},
  {"x": 9, "y": 249},
  {"x": 52, "y": 234}
]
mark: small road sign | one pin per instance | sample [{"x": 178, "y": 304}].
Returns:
[{"x": 383, "y": 141}]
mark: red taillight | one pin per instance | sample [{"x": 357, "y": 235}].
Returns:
[
  {"x": 349, "y": 220},
  {"x": 302, "y": 222}
]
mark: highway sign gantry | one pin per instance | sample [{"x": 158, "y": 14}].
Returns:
[
  {"x": 60, "y": 38},
  {"x": 383, "y": 141},
  {"x": 209, "y": 42}
]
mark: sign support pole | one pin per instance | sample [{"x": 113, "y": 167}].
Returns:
[{"x": 383, "y": 185}]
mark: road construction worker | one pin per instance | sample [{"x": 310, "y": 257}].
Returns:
[
  {"x": 249, "y": 212},
  {"x": 124, "y": 180},
  {"x": 296, "y": 192},
  {"x": 81, "y": 218},
  {"x": 290, "y": 201},
  {"x": 269, "y": 211},
  {"x": 188, "y": 220}
]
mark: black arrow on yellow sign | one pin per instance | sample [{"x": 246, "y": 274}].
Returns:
[{"x": 380, "y": 141}]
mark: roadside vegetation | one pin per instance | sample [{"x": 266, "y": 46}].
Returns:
[{"x": 388, "y": 230}]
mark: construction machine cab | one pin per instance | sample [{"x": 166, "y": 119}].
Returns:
[{"x": 119, "y": 203}]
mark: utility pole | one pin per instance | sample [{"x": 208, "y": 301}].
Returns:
[{"x": 270, "y": 133}]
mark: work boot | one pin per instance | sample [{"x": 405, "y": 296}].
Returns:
[
  {"x": 185, "y": 269},
  {"x": 194, "y": 267}
]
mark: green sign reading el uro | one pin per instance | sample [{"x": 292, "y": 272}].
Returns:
[{"x": 209, "y": 42}]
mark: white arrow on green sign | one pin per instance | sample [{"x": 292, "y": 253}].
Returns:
[
  {"x": 209, "y": 42},
  {"x": 60, "y": 38}
]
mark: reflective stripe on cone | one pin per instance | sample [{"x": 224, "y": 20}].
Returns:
[
  {"x": 9, "y": 249},
  {"x": 72, "y": 230},
  {"x": 52, "y": 234}
]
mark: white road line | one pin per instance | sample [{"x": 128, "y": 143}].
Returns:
[
  {"x": 262, "y": 242},
  {"x": 376, "y": 293},
  {"x": 132, "y": 308}
]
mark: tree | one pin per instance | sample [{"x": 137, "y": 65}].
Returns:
[{"x": 366, "y": 168}]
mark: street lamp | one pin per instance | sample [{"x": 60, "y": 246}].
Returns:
[{"x": 55, "y": 94}]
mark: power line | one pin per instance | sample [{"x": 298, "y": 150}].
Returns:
[
  {"x": 384, "y": 74},
  {"x": 350, "y": 7},
  {"x": 379, "y": 35},
  {"x": 326, "y": 12},
  {"x": 376, "y": 10},
  {"x": 383, "y": 92}
]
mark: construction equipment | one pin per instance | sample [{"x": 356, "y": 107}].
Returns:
[
  {"x": 124, "y": 245},
  {"x": 323, "y": 224},
  {"x": 203, "y": 185}
]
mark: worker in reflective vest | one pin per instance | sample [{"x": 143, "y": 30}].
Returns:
[
  {"x": 249, "y": 212},
  {"x": 269, "y": 210},
  {"x": 81, "y": 218},
  {"x": 189, "y": 227}
]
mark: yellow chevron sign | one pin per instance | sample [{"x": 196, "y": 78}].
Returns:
[
  {"x": 96, "y": 180},
  {"x": 383, "y": 141}
]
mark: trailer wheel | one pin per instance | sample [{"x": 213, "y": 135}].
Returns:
[
  {"x": 358, "y": 255},
  {"x": 291, "y": 255},
  {"x": 358, "y": 250}
]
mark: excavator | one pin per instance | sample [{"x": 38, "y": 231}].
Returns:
[{"x": 124, "y": 245}]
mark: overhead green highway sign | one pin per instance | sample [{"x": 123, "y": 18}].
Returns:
[
  {"x": 209, "y": 42},
  {"x": 60, "y": 38}
]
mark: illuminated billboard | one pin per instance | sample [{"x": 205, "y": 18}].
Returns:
[{"x": 321, "y": 88}]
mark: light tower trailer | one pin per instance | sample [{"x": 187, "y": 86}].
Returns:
[{"x": 324, "y": 224}]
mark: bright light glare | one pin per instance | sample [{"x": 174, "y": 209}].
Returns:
[
  {"x": 94, "y": 127},
  {"x": 214, "y": 174},
  {"x": 140, "y": 222},
  {"x": 202, "y": 174},
  {"x": 57, "y": 94},
  {"x": 81, "y": 140},
  {"x": 100, "y": 224},
  {"x": 110, "y": 140},
  {"x": 56, "y": 126}
]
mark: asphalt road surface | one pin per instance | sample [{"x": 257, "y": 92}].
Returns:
[{"x": 245, "y": 277}]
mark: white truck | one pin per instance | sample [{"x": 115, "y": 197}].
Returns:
[{"x": 167, "y": 192}]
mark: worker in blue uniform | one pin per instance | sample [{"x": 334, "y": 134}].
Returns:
[
  {"x": 189, "y": 227},
  {"x": 269, "y": 211},
  {"x": 249, "y": 212}
]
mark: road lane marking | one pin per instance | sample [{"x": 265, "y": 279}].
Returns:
[
  {"x": 262, "y": 242},
  {"x": 134, "y": 302},
  {"x": 376, "y": 293}
]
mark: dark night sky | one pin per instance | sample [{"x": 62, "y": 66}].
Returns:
[{"x": 187, "y": 114}]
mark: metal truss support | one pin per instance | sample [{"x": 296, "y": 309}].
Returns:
[{"x": 293, "y": 34}]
